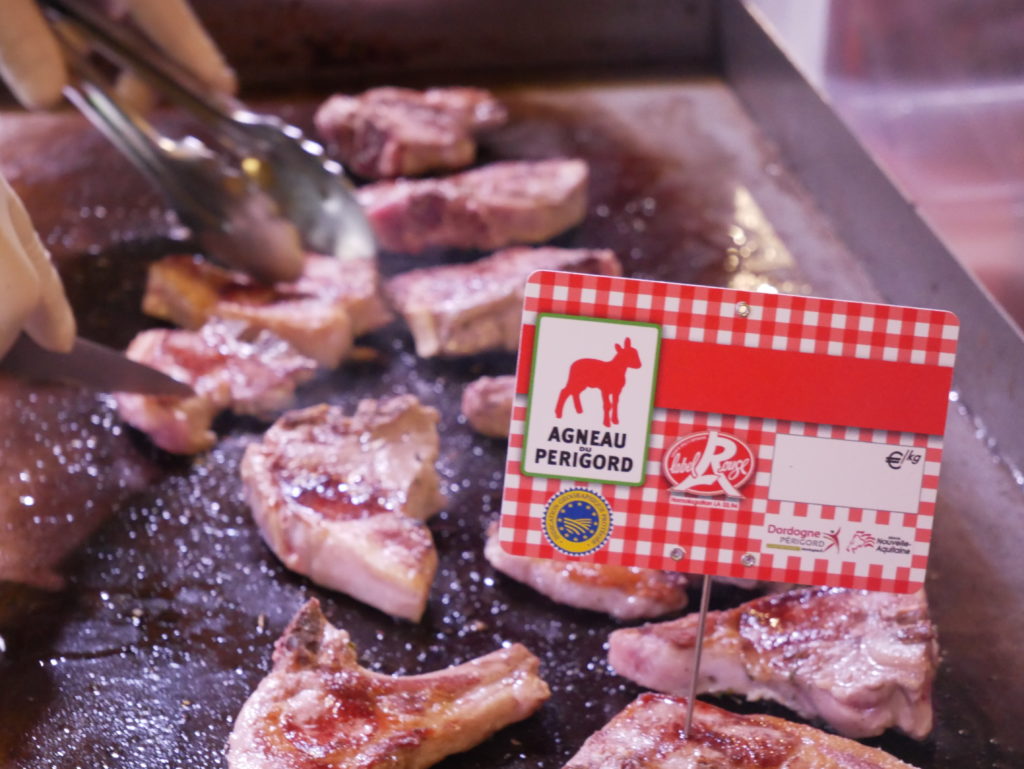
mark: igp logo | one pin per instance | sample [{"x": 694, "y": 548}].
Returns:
[{"x": 577, "y": 522}]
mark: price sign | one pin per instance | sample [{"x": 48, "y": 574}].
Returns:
[{"x": 730, "y": 433}]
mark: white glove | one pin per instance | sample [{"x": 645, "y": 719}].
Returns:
[
  {"x": 32, "y": 65},
  {"x": 31, "y": 295}
]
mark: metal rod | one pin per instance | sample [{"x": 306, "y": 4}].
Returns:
[{"x": 705, "y": 596}]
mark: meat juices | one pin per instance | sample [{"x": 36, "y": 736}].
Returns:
[
  {"x": 489, "y": 207},
  {"x": 487, "y": 404},
  {"x": 647, "y": 734},
  {"x": 342, "y": 499},
  {"x": 320, "y": 313},
  {"x": 318, "y": 708},
  {"x": 389, "y": 132},
  {"x": 228, "y": 364},
  {"x": 624, "y": 592},
  {"x": 463, "y": 309},
  {"x": 858, "y": 660},
  {"x": 65, "y": 467}
]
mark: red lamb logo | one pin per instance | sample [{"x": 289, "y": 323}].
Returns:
[
  {"x": 860, "y": 540},
  {"x": 608, "y": 376}
]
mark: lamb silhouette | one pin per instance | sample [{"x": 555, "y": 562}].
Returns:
[{"x": 608, "y": 376}]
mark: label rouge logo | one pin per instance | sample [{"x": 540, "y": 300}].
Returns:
[
  {"x": 708, "y": 464},
  {"x": 590, "y": 399},
  {"x": 608, "y": 376}
]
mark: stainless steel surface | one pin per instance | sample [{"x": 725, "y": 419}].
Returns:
[
  {"x": 89, "y": 365},
  {"x": 906, "y": 262},
  {"x": 933, "y": 89}
]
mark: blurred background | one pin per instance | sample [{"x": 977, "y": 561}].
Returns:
[{"x": 935, "y": 91}]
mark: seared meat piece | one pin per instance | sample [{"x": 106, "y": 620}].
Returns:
[
  {"x": 318, "y": 708},
  {"x": 624, "y": 592},
  {"x": 389, "y": 132},
  {"x": 754, "y": 584},
  {"x": 486, "y": 208},
  {"x": 332, "y": 302},
  {"x": 487, "y": 404},
  {"x": 462, "y": 309},
  {"x": 341, "y": 499},
  {"x": 228, "y": 364},
  {"x": 647, "y": 734},
  {"x": 858, "y": 660}
]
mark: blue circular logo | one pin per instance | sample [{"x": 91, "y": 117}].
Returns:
[{"x": 577, "y": 521}]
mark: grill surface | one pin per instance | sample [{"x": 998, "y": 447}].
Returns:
[{"x": 171, "y": 609}]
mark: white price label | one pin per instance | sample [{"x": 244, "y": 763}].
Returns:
[{"x": 832, "y": 471}]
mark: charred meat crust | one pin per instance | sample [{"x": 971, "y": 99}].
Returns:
[
  {"x": 463, "y": 309},
  {"x": 388, "y": 132},
  {"x": 320, "y": 313},
  {"x": 487, "y": 208},
  {"x": 648, "y": 734},
  {"x": 861, "y": 661},
  {"x": 487, "y": 404},
  {"x": 625, "y": 593},
  {"x": 318, "y": 708},
  {"x": 338, "y": 498},
  {"x": 228, "y": 364}
]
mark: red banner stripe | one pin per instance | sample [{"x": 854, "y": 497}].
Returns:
[
  {"x": 793, "y": 386},
  {"x": 802, "y": 387},
  {"x": 525, "y": 358}
]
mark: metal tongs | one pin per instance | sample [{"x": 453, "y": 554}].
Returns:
[{"x": 251, "y": 192}]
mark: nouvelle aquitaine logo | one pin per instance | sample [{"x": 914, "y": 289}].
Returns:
[
  {"x": 708, "y": 464},
  {"x": 861, "y": 540},
  {"x": 577, "y": 521}
]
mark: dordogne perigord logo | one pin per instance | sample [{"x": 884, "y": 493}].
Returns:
[{"x": 708, "y": 464}]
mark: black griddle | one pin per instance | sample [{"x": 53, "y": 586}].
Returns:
[{"x": 172, "y": 607}]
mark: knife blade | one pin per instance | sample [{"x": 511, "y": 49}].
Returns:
[{"x": 90, "y": 365}]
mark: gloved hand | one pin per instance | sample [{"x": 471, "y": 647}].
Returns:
[
  {"x": 31, "y": 295},
  {"x": 33, "y": 68}
]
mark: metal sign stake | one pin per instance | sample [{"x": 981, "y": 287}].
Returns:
[{"x": 705, "y": 595}]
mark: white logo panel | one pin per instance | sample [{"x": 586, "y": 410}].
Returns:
[{"x": 590, "y": 399}]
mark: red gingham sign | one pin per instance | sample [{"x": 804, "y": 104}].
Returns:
[{"x": 751, "y": 435}]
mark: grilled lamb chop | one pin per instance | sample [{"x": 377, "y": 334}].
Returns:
[
  {"x": 486, "y": 208},
  {"x": 342, "y": 499},
  {"x": 318, "y": 708},
  {"x": 624, "y": 592},
  {"x": 228, "y": 364},
  {"x": 647, "y": 734},
  {"x": 860, "y": 661},
  {"x": 389, "y": 132},
  {"x": 331, "y": 302},
  {"x": 487, "y": 404},
  {"x": 462, "y": 309}
]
